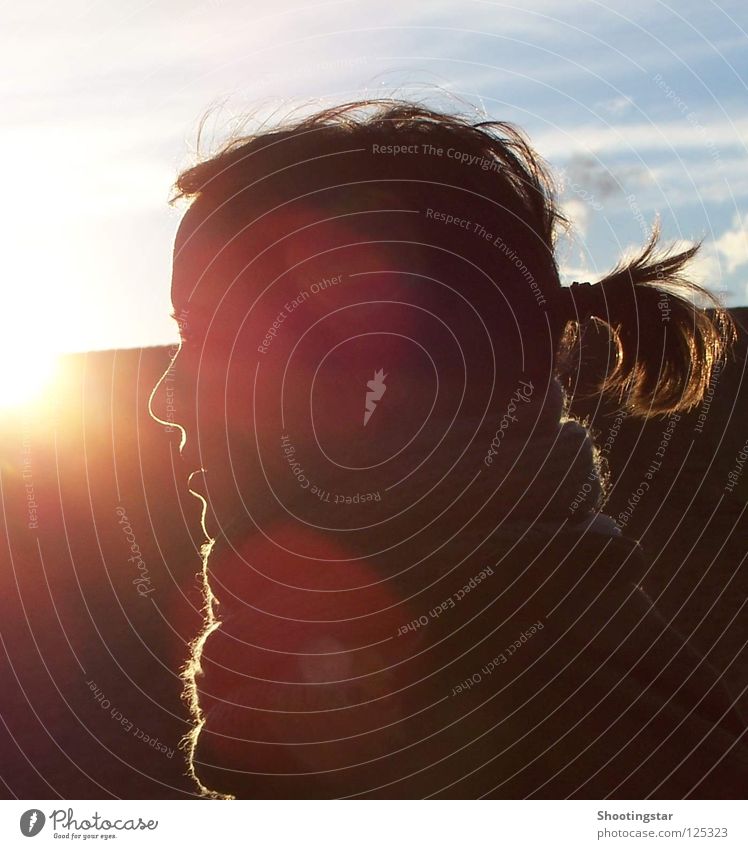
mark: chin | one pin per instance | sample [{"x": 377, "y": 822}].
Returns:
[{"x": 212, "y": 525}]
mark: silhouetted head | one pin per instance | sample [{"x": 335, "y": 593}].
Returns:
[
  {"x": 350, "y": 279},
  {"x": 373, "y": 327}
]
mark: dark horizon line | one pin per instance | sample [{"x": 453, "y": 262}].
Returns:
[{"x": 160, "y": 345}]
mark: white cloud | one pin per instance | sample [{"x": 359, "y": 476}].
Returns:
[
  {"x": 733, "y": 244},
  {"x": 578, "y": 213},
  {"x": 706, "y": 268},
  {"x": 674, "y": 136},
  {"x": 617, "y": 105}
]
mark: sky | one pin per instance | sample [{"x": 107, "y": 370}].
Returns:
[{"x": 641, "y": 109}]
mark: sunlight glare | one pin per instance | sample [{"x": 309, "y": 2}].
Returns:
[{"x": 25, "y": 371}]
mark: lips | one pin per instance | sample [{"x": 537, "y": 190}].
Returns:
[
  {"x": 196, "y": 482},
  {"x": 213, "y": 527}
]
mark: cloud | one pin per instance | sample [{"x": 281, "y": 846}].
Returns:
[
  {"x": 692, "y": 179},
  {"x": 578, "y": 214},
  {"x": 635, "y": 138},
  {"x": 706, "y": 268},
  {"x": 719, "y": 258},
  {"x": 732, "y": 245},
  {"x": 587, "y": 176},
  {"x": 616, "y": 106}
]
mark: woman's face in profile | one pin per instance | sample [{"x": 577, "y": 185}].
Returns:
[
  {"x": 251, "y": 346},
  {"x": 206, "y": 391}
]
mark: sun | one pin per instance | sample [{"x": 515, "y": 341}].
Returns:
[
  {"x": 30, "y": 335},
  {"x": 27, "y": 367}
]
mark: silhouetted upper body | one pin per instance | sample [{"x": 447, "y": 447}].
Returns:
[{"x": 414, "y": 589}]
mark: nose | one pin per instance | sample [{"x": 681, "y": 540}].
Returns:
[{"x": 161, "y": 404}]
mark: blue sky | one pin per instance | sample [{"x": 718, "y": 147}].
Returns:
[{"x": 640, "y": 106}]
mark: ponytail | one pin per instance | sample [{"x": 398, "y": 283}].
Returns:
[{"x": 666, "y": 346}]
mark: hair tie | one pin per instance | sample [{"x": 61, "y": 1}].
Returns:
[{"x": 581, "y": 300}]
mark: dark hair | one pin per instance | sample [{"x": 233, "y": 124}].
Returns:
[{"x": 488, "y": 171}]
